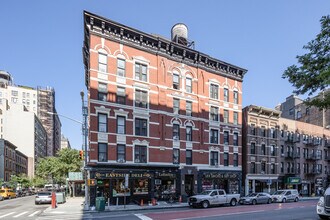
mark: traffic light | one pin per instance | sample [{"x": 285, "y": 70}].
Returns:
[{"x": 81, "y": 154}]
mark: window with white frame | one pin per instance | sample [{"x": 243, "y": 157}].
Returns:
[
  {"x": 140, "y": 154},
  {"x": 102, "y": 92},
  {"x": 141, "y": 98},
  {"x": 121, "y": 153},
  {"x": 188, "y": 133},
  {"x": 214, "y": 158},
  {"x": 141, "y": 72},
  {"x": 102, "y": 122},
  {"x": 188, "y": 108},
  {"x": 121, "y": 95},
  {"x": 214, "y": 91},
  {"x": 121, "y": 124},
  {"x": 14, "y": 93},
  {"x": 176, "y": 81},
  {"x": 225, "y": 95},
  {"x": 176, "y": 132},
  {"x": 214, "y": 113},
  {"x": 235, "y": 97},
  {"x": 176, "y": 156},
  {"x": 214, "y": 136},
  {"x": 103, "y": 60},
  {"x": 141, "y": 127},
  {"x": 189, "y": 157},
  {"x": 121, "y": 65},
  {"x": 235, "y": 118},
  {"x": 176, "y": 106},
  {"x": 189, "y": 85},
  {"x": 102, "y": 152},
  {"x": 225, "y": 116}
]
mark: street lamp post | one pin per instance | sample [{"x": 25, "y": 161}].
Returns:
[{"x": 85, "y": 134}]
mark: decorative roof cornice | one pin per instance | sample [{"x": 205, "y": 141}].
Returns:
[{"x": 103, "y": 27}]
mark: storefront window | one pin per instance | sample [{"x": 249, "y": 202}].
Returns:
[
  {"x": 141, "y": 186},
  {"x": 119, "y": 188}
]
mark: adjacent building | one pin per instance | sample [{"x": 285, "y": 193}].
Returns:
[
  {"x": 163, "y": 118},
  {"x": 281, "y": 153},
  {"x": 65, "y": 143},
  {"x": 12, "y": 161}
]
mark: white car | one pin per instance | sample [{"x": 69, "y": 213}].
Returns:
[
  {"x": 323, "y": 205},
  {"x": 285, "y": 195}
]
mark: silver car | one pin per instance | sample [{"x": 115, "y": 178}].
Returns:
[
  {"x": 256, "y": 198},
  {"x": 43, "y": 197}
]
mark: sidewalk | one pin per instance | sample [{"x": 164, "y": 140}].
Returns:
[{"x": 75, "y": 205}]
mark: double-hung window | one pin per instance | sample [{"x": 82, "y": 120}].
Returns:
[
  {"x": 176, "y": 106},
  {"x": 188, "y": 85},
  {"x": 235, "y": 118},
  {"x": 214, "y": 158},
  {"x": 176, "y": 156},
  {"x": 235, "y": 160},
  {"x": 121, "y": 128},
  {"x": 214, "y": 115},
  {"x": 188, "y": 133},
  {"x": 226, "y": 137},
  {"x": 141, "y": 128},
  {"x": 121, "y": 67},
  {"x": 121, "y": 96},
  {"x": 102, "y": 122},
  {"x": 141, "y": 98},
  {"x": 235, "y": 139},
  {"x": 235, "y": 97},
  {"x": 176, "y": 132},
  {"x": 103, "y": 60},
  {"x": 214, "y": 91},
  {"x": 121, "y": 153},
  {"x": 176, "y": 81},
  {"x": 225, "y": 116},
  {"x": 102, "y": 92},
  {"x": 214, "y": 136},
  {"x": 225, "y": 95},
  {"x": 225, "y": 159},
  {"x": 141, "y": 72},
  {"x": 253, "y": 167},
  {"x": 189, "y": 157},
  {"x": 102, "y": 152},
  {"x": 140, "y": 154},
  {"x": 253, "y": 148},
  {"x": 188, "y": 108}
]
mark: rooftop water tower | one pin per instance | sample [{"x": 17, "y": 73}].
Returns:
[{"x": 180, "y": 34}]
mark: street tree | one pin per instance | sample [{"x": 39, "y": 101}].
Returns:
[{"x": 313, "y": 74}]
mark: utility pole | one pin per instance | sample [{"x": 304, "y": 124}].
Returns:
[{"x": 84, "y": 148}]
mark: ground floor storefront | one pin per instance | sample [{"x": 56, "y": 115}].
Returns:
[
  {"x": 261, "y": 183},
  {"x": 144, "y": 185}
]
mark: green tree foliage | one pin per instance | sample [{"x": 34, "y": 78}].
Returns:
[
  {"x": 313, "y": 74},
  {"x": 57, "y": 168},
  {"x": 38, "y": 182},
  {"x": 22, "y": 179}
]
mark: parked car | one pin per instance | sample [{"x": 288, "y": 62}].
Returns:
[
  {"x": 7, "y": 193},
  {"x": 43, "y": 197},
  {"x": 285, "y": 195},
  {"x": 213, "y": 197},
  {"x": 256, "y": 198}
]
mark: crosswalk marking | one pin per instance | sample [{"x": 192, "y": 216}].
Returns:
[
  {"x": 34, "y": 213},
  {"x": 143, "y": 217},
  {"x": 2, "y": 216},
  {"x": 19, "y": 214}
]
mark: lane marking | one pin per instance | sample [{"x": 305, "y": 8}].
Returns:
[
  {"x": 142, "y": 217},
  {"x": 224, "y": 214},
  {"x": 34, "y": 213},
  {"x": 19, "y": 214},
  {"x": 2, "y": 216}
]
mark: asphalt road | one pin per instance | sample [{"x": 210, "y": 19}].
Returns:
[
  {"x": 303, "y": 210},
  {"x": 20, "y": 208}
]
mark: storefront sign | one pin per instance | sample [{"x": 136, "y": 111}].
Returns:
[
  {"x": 170, "y": 175},
  {"x": 123, "y": 175},
  {"x": 293, "y": 180},
  {"x": 220, "y": 175},
  {"x": 75, "y": 176}
]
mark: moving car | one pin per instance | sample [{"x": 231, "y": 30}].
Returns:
[
  {"x": 213, "y": 197},
  {"x": 7, "y": 193},
  {"x": 285, "y": 195},
  {"x": 256, "y": 198},
  {"x": 43, "y": 197}
]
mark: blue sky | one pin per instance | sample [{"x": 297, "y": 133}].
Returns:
[{"x": 41, "y": 41}]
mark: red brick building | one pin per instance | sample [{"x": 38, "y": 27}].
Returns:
[{"x": 162, "y": 115}]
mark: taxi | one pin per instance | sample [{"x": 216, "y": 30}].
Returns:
[{"x": 7, "y": 193}]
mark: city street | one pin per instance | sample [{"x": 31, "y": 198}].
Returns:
[
  {"x": 287, "y": 211},
  {"x": 21, "y": 208}
]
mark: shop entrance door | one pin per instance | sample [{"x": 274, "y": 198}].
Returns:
[{"x": 189, "y": 185}]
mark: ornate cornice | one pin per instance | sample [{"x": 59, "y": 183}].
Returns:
[{"x": 97, "y": 25}]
